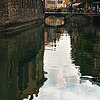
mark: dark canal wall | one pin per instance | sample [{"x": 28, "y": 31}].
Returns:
[
  {"x": 18, "y": 12},
  {"x": 21, "y": 63}
]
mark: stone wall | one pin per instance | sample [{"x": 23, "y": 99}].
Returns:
[{"x": 17, "y": 12}]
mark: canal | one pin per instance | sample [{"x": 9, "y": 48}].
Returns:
[{"x": 55, "y": 60}]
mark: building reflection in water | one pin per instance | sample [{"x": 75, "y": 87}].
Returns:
[
  {"x": 21, "y": 63},
  {"x": 85, "y": 51},
  {"x": 21, "y": 56},
  {"x": 52, "y": 36}
]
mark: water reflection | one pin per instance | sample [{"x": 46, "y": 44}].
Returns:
[
  {"x": 69, "y": 60},
  {"x": 21, "y": 63},
  {"x": 84, "y": 43},
  {"x": 54, "y": 21},
  {"x": 85, "y": 51},
  {"x": 72, "y": 62}
]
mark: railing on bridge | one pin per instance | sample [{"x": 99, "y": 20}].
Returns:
[
  {"x": 73, "y": 10},
  {"x": 94, "y": 15}
]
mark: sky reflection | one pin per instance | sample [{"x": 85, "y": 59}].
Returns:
[{"x": 64, "y": 77}]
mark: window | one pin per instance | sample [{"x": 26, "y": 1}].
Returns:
[
  {"x": 60, "y": 2},
  {"x": 51, "y": 2}
]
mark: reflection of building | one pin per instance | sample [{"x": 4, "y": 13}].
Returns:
[
  {"x": 32, "y": 76},
  {"x": 54, "y": 21},
  {"x": 21, "y": 63},
  {"x": 50, "y": 39},
  {"x": 52, "y": 36},
  {"x": 85, "y": 52}
]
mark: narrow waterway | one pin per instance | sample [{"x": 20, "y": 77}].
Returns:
[
  {"x": 68, "y": 77},
  {"x": 58, "y": 61},
  {"x": 71, "y": 63},
  {"x": 64, "y": 81}
]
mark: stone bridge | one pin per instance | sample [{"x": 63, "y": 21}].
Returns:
[{"x": 69, "y": 14}]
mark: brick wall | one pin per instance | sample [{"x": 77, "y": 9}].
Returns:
[{"x": 19, "y": 11}]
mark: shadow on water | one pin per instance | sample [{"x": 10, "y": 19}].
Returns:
[
  {"x": 85, "y": 44},
  {"x": 21, "y": 63}
]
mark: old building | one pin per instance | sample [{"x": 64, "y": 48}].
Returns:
[
  {"x": 17, "y": 12},
  {"x": 55, "y": 3}
]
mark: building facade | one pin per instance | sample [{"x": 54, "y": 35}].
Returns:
[
  {"x": 56, "y": 3},
  {"x": 19, "y": 11}
]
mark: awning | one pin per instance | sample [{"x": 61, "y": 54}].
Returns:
[{"x": 76, "y": 4}]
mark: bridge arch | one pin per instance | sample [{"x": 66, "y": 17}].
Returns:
[{"x": 59, "y": 17}]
